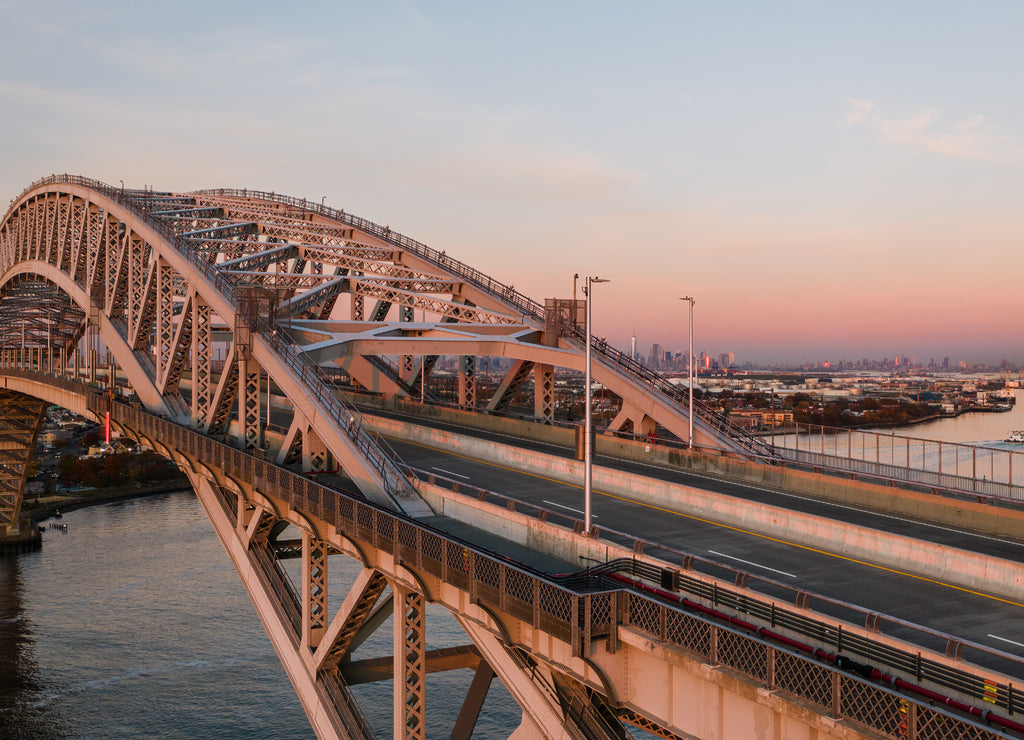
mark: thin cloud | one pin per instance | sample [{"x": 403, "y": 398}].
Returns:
[{"x": 930, "y": 130}]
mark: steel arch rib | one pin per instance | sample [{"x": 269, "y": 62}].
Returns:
[{"x": 368, "y": 475}]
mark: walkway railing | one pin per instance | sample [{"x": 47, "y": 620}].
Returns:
[
  {"x": 973, "y": 470},
  {"x": 720, "y": 426}
]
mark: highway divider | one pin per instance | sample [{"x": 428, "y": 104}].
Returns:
[{"x": 963, "y": 568}]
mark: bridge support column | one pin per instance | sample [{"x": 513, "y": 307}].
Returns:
[
  {"x": 358, "y": 303},
  {"x": 405, "y": 315},
  {"x": 202, "y": 349},
  {"x": 314, "y": 590},
  {"x": 410, "y": 663},
  {"x": 467, "y": 381},
  {"x": 544, "y": 393},
  {"x": 249, "y": 410}
]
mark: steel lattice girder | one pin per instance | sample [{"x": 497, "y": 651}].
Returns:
[{"x": 21, "y": 417}]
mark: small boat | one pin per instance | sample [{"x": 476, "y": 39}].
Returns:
[{"x": 1016, "y": 437}]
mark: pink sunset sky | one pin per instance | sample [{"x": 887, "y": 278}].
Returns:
[{"x": 830, "y": 182}]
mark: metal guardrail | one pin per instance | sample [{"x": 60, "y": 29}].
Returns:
[
  {"x": 831, "y": 633},
  {"x": 843, "y": 689}
]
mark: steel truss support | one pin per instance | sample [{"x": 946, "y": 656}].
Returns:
[
  {"x": 358, "y": 303},
  {"x": 510, "y": 385},
  {"x": 331, "y": 710},
  {"x": 20, "y": 419},
  {"x": 544, "y": 393},
  {"x": 631, "y": 418},
  {"x": 249, "y": 408},
  {"x": 410, "y": 663},
  {"x": 315, "y": 455},
  {"x": 314, "y": 590},
  {"x": 530, "y": 685},
  {"x": 342, "y": 635},
  {"x": 474, "y": 702},
  {"x": 467, "y": 381},
  {"x": 202, "y": 349},
  {"x": 405, "y": 315}
]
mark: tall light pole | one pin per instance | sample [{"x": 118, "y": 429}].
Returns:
[
  {"x": 689, "y": 364},
  {"x": 588, "y": 428}
]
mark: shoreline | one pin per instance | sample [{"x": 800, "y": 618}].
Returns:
[{"x": 97, "y": 496}]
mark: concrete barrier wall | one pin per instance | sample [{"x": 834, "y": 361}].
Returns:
[
  {"x": 527, "y": 530},
  {"x": 976, "y": 516},
  {"x": 959, "y": 567}
]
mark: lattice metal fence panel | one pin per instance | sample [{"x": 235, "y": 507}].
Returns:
[
  {"x": 600, "y": 614},
  {"x": 364, "y": 520},
  {"x": 487, "y": 572},
  {"x": 743, "y": 654},
  {"x": 458, "y": 564},
  {"x": 804, "y": 679},
  {"x": 331, "y": 500},
  {"x": 556, "y": 611},
  {"x": 519, "y": 594},
  {"x": 347, "y": 510},
  {"x": 687, "y": 632},
  {"x": 519, "y": 586},
  {"x": 935, "y": 725},
  {"x": 407, "y": 535},
  {"x": 645, "y": 615},
  {"x": 874, "y": 707},
  {"x": 386, "y": 527},
  {"x": 432, "y": 549}
]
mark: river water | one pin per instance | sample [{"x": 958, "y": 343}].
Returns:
[{"x": 134, "y": 624}]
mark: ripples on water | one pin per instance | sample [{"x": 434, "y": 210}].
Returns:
[{"x": 134, "y": 624}]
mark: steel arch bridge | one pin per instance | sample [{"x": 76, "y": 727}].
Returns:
[
  {"x": 224, "y": 311},
  {"x": 216, "y": 316},
  {"x": 202, "y": 304}
]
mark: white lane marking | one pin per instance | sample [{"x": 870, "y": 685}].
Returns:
[
  {"x": 448, "y": 472},
  {"x": 1003, "y": 639},
  {"x": 576, "y": 511},
  {"x": 747, "y": 562}
]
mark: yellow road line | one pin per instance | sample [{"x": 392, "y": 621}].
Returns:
[{"x": 723, "y": 526}]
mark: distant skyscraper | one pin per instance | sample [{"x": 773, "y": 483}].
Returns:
[
  {"x": 656, "y": 355},
  {"x": 632, "y": 348}
]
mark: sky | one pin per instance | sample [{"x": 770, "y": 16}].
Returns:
[{"x": 829, "y": 181}]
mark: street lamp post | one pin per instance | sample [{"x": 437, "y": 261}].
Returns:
[
  {"x": 689, "y": 364},
  {"x": 588, "y": 429}
]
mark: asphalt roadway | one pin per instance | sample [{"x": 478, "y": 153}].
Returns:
[{"x": 986, "y": 619}]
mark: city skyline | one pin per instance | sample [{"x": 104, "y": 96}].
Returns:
[{"x": 826, "y": 181}]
